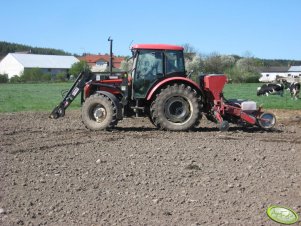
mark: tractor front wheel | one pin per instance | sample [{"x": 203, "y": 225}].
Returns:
[
  {"x": 176, "y": 108},
  {"x": 98, "y": 112}
]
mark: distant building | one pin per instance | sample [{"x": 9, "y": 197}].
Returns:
[
  {"x": 270, "y": 74},
  {"x": 15, "y": 63},
  {"x": 99, "y": 63},
  {"x": 294, "y": 72}
]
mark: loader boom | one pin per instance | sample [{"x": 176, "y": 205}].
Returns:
[{"x": 77, "y": 87}]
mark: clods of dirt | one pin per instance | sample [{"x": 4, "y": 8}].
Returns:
[{"x": 56, "y": 172}]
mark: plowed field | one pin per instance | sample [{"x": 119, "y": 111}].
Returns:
[{"x": 56, "y": 172}]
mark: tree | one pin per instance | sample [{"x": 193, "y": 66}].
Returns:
[
  {"x": 195, "y": 64},
  {"x": 78, "y": 67},
  {"x": 193, "y": 60},
  {"x": 7, "y": 47},
  {"x": 126, "y": 65},
  {"x": 189, "y": 51},
  {"x": 213, "y": 64},
  {"x": 3, "y": 78},
  {"x": 227, "y": 61},
  {"x": 15, "y": 79},
  {"x": 244, "y": 70},
  {"x": 246, "y": 64}
]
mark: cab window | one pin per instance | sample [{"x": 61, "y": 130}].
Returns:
[{"x": 174, "y": 63}]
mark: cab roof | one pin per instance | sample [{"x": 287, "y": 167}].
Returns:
[{"x": 157, "y": 47}]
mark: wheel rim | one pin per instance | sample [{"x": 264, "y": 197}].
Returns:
[
  {"x": 98, "y": 113},
  {"x": 267, "y": 120},
  {"x": 177, "y": 109}
]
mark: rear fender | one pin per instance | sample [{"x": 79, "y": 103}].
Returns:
[
  {"x": 181, "y": 80},
  {"x": 115, "y": 101}
]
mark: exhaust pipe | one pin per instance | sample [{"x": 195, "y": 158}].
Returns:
[{"x": 111, "y": 56}]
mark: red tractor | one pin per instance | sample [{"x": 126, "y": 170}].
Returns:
[{"x": 159, "y": 88}]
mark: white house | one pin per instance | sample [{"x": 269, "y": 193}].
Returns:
[
  {"x": 15, "y": 63},
  {"x": 291, "y": 74}
]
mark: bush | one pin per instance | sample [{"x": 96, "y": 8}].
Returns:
[
  {"x": 252, "y": 77},
  {"x": 61, "y": 77},
  {"x": 15, "y": 79},
  {"x": 240, "y": 76},
  {"x": 4, "y": 78},
  {"x": 31, "y": 75},
  {"x": 45, "y": 77},
  {"x": 234, "y": 75},
  {"x": 34, "y": 75}
]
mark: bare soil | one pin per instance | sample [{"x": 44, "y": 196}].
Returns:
[{"x": 56, "y": 172}]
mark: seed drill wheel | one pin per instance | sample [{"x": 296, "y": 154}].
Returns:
[
  {"x": 224, "y": 126},
  {"x": 98, "y": 112},
  {"x": 176, "y": 108},
  {"x": 266, "y": 120}
]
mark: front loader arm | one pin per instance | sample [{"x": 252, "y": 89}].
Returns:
[{"x": 77, "y": 87}]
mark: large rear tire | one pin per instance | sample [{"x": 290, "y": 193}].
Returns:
[
  {"x": 176, "y": 108},
  {"x": 99, "y": 112}
]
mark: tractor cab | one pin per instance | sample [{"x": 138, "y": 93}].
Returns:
[{"x": 153, "y": 63}]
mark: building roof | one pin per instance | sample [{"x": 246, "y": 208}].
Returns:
[
  {"x": 273, "y": 69},
  {"x": 44, "y": 61},
  {"x": 92, "y": 59},
  {"x": 294, "y": 68}
]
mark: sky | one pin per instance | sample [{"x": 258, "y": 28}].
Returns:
[{"x": 267, "y": 29}]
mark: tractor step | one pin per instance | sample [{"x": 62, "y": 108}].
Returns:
[{"x": 137, "y": 109}]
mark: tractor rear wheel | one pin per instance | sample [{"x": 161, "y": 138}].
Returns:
[
  {"x": 176, "y": 108},
  {"x": 99, "y": 112}
]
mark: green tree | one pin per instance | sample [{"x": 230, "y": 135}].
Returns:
[
  {"x": 227, "y": 61},
  {"x": 15, "y": 79},
  {"x": 213, "y": 64},
  {"x": 4, "y": 78},
  {"x": 78, "y": 67},
  {"x": 7, "y": 47},
  {"x": 244, "y": 71},
  {"x": 126, "y": 65},
  {"x": 194, "y": 65}
]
